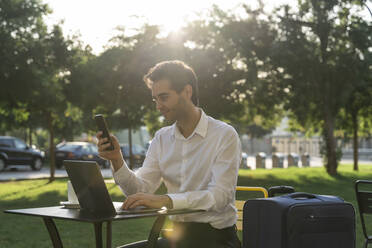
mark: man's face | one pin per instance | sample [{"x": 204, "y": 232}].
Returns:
[{"x": 170, "y": 103}]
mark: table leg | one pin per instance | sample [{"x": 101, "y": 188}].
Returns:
[
  {"x": 108, "y": 235},
  {"x": 98, "y": 234},
  {"x": 155, "y": 231},
  {"x": 53, "y": 232}
]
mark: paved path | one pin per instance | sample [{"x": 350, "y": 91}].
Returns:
[{"x": 25, "y": 172}]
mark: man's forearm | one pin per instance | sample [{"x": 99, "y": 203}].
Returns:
[{"x": 117, "y": 164}]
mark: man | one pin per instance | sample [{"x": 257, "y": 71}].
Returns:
[{"x": 197, "y": 158}]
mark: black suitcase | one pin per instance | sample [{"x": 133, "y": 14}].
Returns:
[{"x": 298, "y": 220}]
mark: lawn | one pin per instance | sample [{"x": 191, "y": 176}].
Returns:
[{"x": 21, "y": 231}]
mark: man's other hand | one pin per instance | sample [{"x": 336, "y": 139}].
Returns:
[{"x": 147, "y": 200}]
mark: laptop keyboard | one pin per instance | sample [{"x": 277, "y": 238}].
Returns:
[{"x": 137, "y": 210}]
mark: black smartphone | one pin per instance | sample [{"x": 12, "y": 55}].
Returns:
[{"x": 102, "y": 126}]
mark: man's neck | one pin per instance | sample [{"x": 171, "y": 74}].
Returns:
[{"x": 188, "y": 124}]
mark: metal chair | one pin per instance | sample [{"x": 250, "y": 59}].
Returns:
[
  {"x": 364, "y": 199},
  {"x": 239, "y": 204},
  {"x": 152, "y": 241}
]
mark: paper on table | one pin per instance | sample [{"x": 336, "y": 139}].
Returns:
[{"x": 71, "y": 195}]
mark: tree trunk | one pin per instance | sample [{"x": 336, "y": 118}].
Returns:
[
  {"x": 330, "y": 145},
  {"x": 354, "y": 118},
  {"x": 252, "y": 145},
  {"x": 30, "y": 136},
  {"x": 322, "y": 29},
  {"x": 52, "y": 154},
  {"x": 130, "y": 147}
]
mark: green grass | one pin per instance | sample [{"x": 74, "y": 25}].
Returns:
[{"x": 24, "y": 231}]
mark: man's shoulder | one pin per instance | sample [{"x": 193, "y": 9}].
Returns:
[
  {"x": 220, "y": 126},
  {"x": 164, "y": 131}
]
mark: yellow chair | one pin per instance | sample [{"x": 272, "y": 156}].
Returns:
[{"x": 239, "y": 204}]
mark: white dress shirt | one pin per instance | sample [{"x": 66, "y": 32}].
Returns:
[{"x": 199, "y": 172}]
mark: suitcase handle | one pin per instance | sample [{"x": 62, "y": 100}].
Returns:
[
  {"x": 280, "y": 190},
  {"x": 302, "y": 195}
]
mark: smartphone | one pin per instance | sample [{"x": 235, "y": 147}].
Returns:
[{"x": 102, "y": 126}]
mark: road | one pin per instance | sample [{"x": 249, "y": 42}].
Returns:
[{"x": 24, "y": 172}]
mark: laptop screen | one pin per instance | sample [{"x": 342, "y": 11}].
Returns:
[{"x": 89, "y": 186}]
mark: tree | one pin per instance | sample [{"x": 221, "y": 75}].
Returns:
[
  {"x": 112, "y": 84},
  {"x": 314, "y": 50},
  {"x": 53, "y": 55},
  {"x": 251, "y": 41},
  {"x": 20, "y": 24},
  {"x": 207, "y": 52},
  {"x": 216, "y": 47},
  {"x": 356, "y": 115},
  {"x": 35, "y": 63}
]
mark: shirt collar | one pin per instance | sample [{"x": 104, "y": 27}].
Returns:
[{"x": 200, "y": 129}]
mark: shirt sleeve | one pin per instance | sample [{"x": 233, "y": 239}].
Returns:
[
  {"x": 221, "y": 190},
  {"x": 146, "y": 179}
]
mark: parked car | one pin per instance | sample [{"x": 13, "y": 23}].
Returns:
[
  {"x": 139, "y": 154},
  {"x": 14, "y": 151},
  {"x": 78, "y": 151},
  {"x": 147, "y": 145}
]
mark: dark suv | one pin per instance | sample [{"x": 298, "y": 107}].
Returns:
[{"x": 14, "y": 151}]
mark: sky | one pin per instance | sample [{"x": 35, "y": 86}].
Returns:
[{"x": 96, "y": 20}]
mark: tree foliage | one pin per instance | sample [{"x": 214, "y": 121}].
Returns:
[
  {"x": 318, "y": 49},
  {"x": 34, "y": 63},
  {"x": 312, "y": 62}
]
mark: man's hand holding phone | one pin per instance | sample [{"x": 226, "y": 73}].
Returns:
[
  {"x": 115, "y": 156},
  {"x": 108, "y": 145}
]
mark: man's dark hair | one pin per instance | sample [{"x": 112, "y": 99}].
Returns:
[{"x": 179, "y": 75}]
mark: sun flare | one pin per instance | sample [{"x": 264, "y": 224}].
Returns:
[{"x": 96, "y": 20}]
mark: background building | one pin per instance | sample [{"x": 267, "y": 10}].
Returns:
[{"x": 283, "y": 141}]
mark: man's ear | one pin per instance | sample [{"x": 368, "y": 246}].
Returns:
[{"x": 188, "y": 91}]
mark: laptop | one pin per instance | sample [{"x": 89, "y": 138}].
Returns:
[{"x": 91, "y": 190}]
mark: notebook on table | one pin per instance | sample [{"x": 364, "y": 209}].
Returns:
[{"x": 91, "y": 190}]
